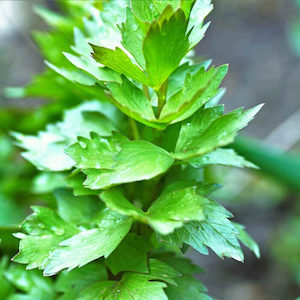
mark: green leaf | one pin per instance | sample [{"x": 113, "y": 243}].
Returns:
[
  {"x": 198, "y": 88},
  {"x": 46, "y": 150},
  {"x": 130, "y": 255},
  {"x": 132, "y": 101},
  {"x": 148, "y": 10},
  {"x": 76, "y": 210},
  {"x": 171, "y": 210},
  {"x": 209, "y": 130},
  {"x": 225, "y": 157},
  {"x": 72, "y": 283},
  {"x": 75, "y": 181},
  {"x": 247, "y": 240},
  {"x": 164, "y": 47},
  {"x": 97, "y": 152},
  {"x": 200, "y": 10},
  {"x": 45, "y": 230},
  {"x": 133, "y": 35},
  {"x": 216, "y": 232},
  {"x": 179, "y": 263},
  {"x": 118, "y": 61},
  {"x": 89, "y": 245},
  {"x": 137, "y": 160},
  {"x": 132, "y": 286},
  {"x": 188, "y": 288}
]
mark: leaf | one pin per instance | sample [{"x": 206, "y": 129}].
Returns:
[
  {"x": 179, "y": 263},
  {"x": 188, "y": 288},
  {"x": 216, "y": 232},
  {"x": 171, "y": 210},
  {"x": 247, "y": 240},
  {"x": 197, "y": 90},
  {"x": 137, "y": 160},
  {"x": 88, "y": 65},
  {"x": 130, "y": 255},
  {"x": 76, "y": 210},
  {"x": 225, "y": 157},
  {"x": 199, "y": 136},
  {"x": 45, "y": 230},
  {"x": 164, "y": 47},
  {"x": 118, "y": 61},
  {"x": 200, "y": 10},
  {"x": 89, "y": 245},
  {"x": 131, "y": 286},
  {"x": 132, "y": 101},
  {"x": 72, "y": 283},
  {"x": 97, "y": 152},
  {"x": 75, "y": 181},
  {"x": 46, "y": 150},
  {"x": 133, "y": 35}
]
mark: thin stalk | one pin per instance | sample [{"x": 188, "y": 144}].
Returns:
[
  {"x": 146, "y": 91},
  {"x": 134, "y": 129},
  {"x": 162, "y": 97}
]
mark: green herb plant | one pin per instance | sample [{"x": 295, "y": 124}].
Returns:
[{"x": 127, "y": 165}]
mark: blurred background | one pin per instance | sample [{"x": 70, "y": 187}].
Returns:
[{"x": 261, "y": 42}]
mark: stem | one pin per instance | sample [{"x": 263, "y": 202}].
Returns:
[
  {"x": 146, "y": 91},
  {"x": 162, "y": 97},
  {"x": 134, "y": 129}
]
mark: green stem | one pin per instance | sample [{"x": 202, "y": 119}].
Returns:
[
  {"x": 161, "y": 97},
  {"x": 134, "y": 129},
  {"x": 146, "y": 91}
]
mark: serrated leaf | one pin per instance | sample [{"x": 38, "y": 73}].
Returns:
[
  {"x": 164, "y": 47},
  {"x": 198, "y": 88},
  {"x": 89, "y": 245},
  {"x": 133, "y": 35},
  {"x": 247, "y": 240},
  {"x": 198, "y": 137},
  {"x": 132, "y": 101},
  {"x": 171, "y": 210},
  {"x": 46, "y": 150},
  {"x": 130, "y": 255},
  {"x": 75, "y": 181},
  {"x": 118, "y": 61},
  {"x": 200, "y": 10},
  {"x": 225, "y": 157},
  {"x": 97, "y": 152},
  {"x": 137, "y": 160},
  {"x": 216, "y": 232}
]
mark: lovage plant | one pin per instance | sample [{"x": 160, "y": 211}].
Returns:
[{"x": 127, "y": 166}]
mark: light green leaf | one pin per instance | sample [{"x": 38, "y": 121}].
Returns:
[
  {"x": 247, "y": 240},
  {"x": 171, "y": 210},
  {"x": 45, "y": 231},
  {"x": 164, "y": 47},
  {"x": 200, "y": 10},
  {"x": 132, "y": 101},
  {"x": 137, "y": 160},
  {"x": 88, "y": 65},
  {"x": 75, "y": 181},
  {"x": 133, "y": 35},
  {"x": 130, "y": 255},
  {"x": 46, "y": 150},
  {"x": 225, "y": 157},
  {"x": 97, "y": 152},
  {"x": 89, "y": 245},
  {"x": 118, "y": 61},
  {"x": 197, "y": 89},
  {"x": 209, "y": 130},
  {"x": 216, "y": 232}
]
